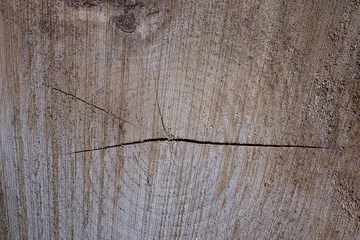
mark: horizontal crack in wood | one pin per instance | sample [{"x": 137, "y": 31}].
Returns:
[{"x": 186, "y": 140}]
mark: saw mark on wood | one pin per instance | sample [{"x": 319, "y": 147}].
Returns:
[
  {"x": 200, "y": 142},
  {"x": 90, "y": 104}
]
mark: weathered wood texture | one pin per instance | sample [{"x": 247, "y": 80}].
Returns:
[{"x": 260, "y": 72}]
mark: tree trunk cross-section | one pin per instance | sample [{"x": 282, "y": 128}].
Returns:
[{"x": 206, "y": 119}]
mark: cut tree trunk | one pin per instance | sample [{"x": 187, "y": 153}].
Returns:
[{"x": 206, "y": 119}]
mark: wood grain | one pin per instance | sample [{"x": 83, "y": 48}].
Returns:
[{"x": 212, "y": 120}]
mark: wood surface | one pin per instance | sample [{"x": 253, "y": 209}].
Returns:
[{"x": 212, "y": 119}]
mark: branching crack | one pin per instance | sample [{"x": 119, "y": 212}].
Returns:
[
  {"x": 186, "y": 140},
  {"x": 90, "y": 104}
]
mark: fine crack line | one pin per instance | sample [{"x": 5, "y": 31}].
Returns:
[
  {"x": 161, "y": 116},
  {"x": 186, "y": 140},
  {"x": 90, "y": 104}
]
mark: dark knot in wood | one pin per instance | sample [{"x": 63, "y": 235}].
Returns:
[{"x": 126, "y": 22}]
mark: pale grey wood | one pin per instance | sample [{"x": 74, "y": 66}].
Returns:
[{"x": 192, "y": 76}]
